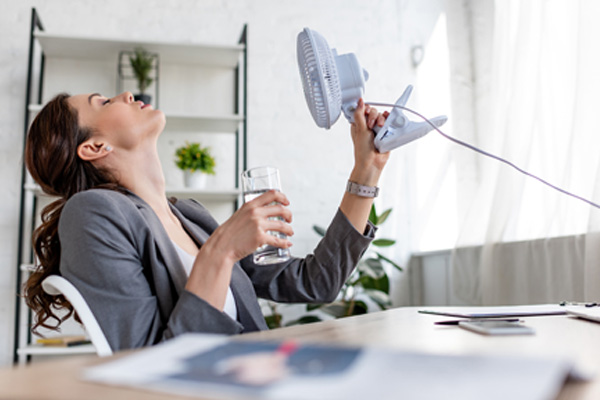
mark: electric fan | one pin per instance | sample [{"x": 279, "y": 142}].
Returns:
[{"x": 334, "y": 83}]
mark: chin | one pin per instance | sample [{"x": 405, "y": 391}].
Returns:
[{"x": 161, "y": 120}]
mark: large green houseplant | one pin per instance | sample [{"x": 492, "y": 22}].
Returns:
[{"x": 368, "y": 283}]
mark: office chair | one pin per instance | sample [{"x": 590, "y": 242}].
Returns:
[{"x": 56, "y": 285}]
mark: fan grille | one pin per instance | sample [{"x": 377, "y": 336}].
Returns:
[{"x": 319, "y": 78}]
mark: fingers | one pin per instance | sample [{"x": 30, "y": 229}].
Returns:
[
  {"x": 270, "y": 197},
  {"x": 275, "y": 210},
  {"x": 270, "y": 212},
  {"x": 271, "y": 204},
  {"x": 274, "y": 232},
  {"x": 372, "y": 117},
  {"x": 382, "y": 117},
  {"x": 275, "y": 240},
  {"x": 359, "y": 115},
  {"x": 366, "y": 116},
  {"x": 278, "y": 226}
]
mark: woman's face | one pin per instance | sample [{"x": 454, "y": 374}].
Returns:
[{"x": 120, "y": 121}]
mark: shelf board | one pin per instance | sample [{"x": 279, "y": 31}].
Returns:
[
  {"x": 90, "y": 48},
  {"x": 182, "y": 122},
  {"x": 204, "y": 123},
  {"x": 35, "y": 108},
  {"x": 207, "y": 195},
  {"x": 27, "y": 267},
  {"x": 37, "y": 190},
  {"x": 39, "y": 350}
]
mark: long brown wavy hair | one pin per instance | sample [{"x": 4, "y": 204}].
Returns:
[{"x": 52, "y": 160}]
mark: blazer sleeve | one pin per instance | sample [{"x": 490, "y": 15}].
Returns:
[
  {"x": 104, "y": 248},
  {"x": 318, "y": 277}
]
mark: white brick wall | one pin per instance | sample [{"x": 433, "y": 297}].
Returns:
[{"x": 314, "y": 163}]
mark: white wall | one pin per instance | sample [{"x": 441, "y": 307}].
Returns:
[{"x": 314, "y": 163}]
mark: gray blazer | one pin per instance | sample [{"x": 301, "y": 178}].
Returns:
[{"x": 116, "y": 252}]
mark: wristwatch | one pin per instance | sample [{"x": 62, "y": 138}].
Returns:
[{"x": 362, "y": 190}]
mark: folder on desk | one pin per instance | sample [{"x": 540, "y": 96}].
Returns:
[{"x": 497, "y": 311}]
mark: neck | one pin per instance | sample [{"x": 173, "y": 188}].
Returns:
[{"x": 142, "y": 173}]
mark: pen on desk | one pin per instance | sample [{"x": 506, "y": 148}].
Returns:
[{"x": 456, "y": 321}]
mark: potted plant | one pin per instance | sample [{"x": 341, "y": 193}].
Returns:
[
  {"x": 196, "y": 162},
  {"x": 142, "y": 63}
]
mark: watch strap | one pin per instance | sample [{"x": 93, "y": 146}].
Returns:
[{"x": 362, "y": 190}]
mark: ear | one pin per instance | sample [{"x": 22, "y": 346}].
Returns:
[{"x": 91, "y": 150}]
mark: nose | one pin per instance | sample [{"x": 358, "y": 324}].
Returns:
[{"x": 126, "y": 97}]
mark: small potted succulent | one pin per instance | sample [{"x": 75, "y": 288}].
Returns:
[
  {"x": 142, "y": 63},
  {"x": 196, "y": 162}
]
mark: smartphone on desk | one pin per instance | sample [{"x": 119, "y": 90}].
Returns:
[{"x": 491, "y": 327}]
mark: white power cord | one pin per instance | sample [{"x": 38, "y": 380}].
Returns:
[{"x": 485, "y": 153}]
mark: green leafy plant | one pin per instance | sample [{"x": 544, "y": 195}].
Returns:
[
  {"x": 368, "y": 281},
  {"x": 193, "y": 157},
  {"x": 141, "y": 63}
]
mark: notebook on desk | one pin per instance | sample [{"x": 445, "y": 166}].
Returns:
[{"x": 589, "y": 313}]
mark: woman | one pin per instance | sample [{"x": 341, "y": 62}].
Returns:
[{"x": 151, "y": 269}]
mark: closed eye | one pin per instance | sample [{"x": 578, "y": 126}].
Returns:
[{"x": 105, "y": 102}]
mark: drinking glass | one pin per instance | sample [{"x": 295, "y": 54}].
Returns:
[{"x": 255, "y": 182}]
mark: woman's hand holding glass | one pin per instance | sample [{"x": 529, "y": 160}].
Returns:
[
  {"x": 238, "y": 237},
  {"x": 248, "y": 228},
  {"x": 256, "y": 181}
]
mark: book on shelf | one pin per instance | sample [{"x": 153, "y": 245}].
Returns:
[{"x": 64, "y": 341}]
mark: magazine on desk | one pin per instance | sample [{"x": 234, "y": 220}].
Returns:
[{"x": 222, "y": 367}]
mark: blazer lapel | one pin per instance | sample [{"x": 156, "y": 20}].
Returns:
[
  {"x": 163, "y": 243},
  {"x": 200, "y": 235}
]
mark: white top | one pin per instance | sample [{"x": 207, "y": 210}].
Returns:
[{"x": 188, "y": 261}]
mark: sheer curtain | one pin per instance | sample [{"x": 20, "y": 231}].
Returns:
[
  {"x": 522, "y": 242},
  {"x": 419, "y": 183}
]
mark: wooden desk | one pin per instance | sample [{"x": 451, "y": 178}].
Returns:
[{"x": 401, "y": 328}]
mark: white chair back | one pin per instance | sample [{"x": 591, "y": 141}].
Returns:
[{"x": 55, "y": 285}]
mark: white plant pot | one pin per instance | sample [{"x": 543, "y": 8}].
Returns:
[{"x": 194, "y": 180}]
